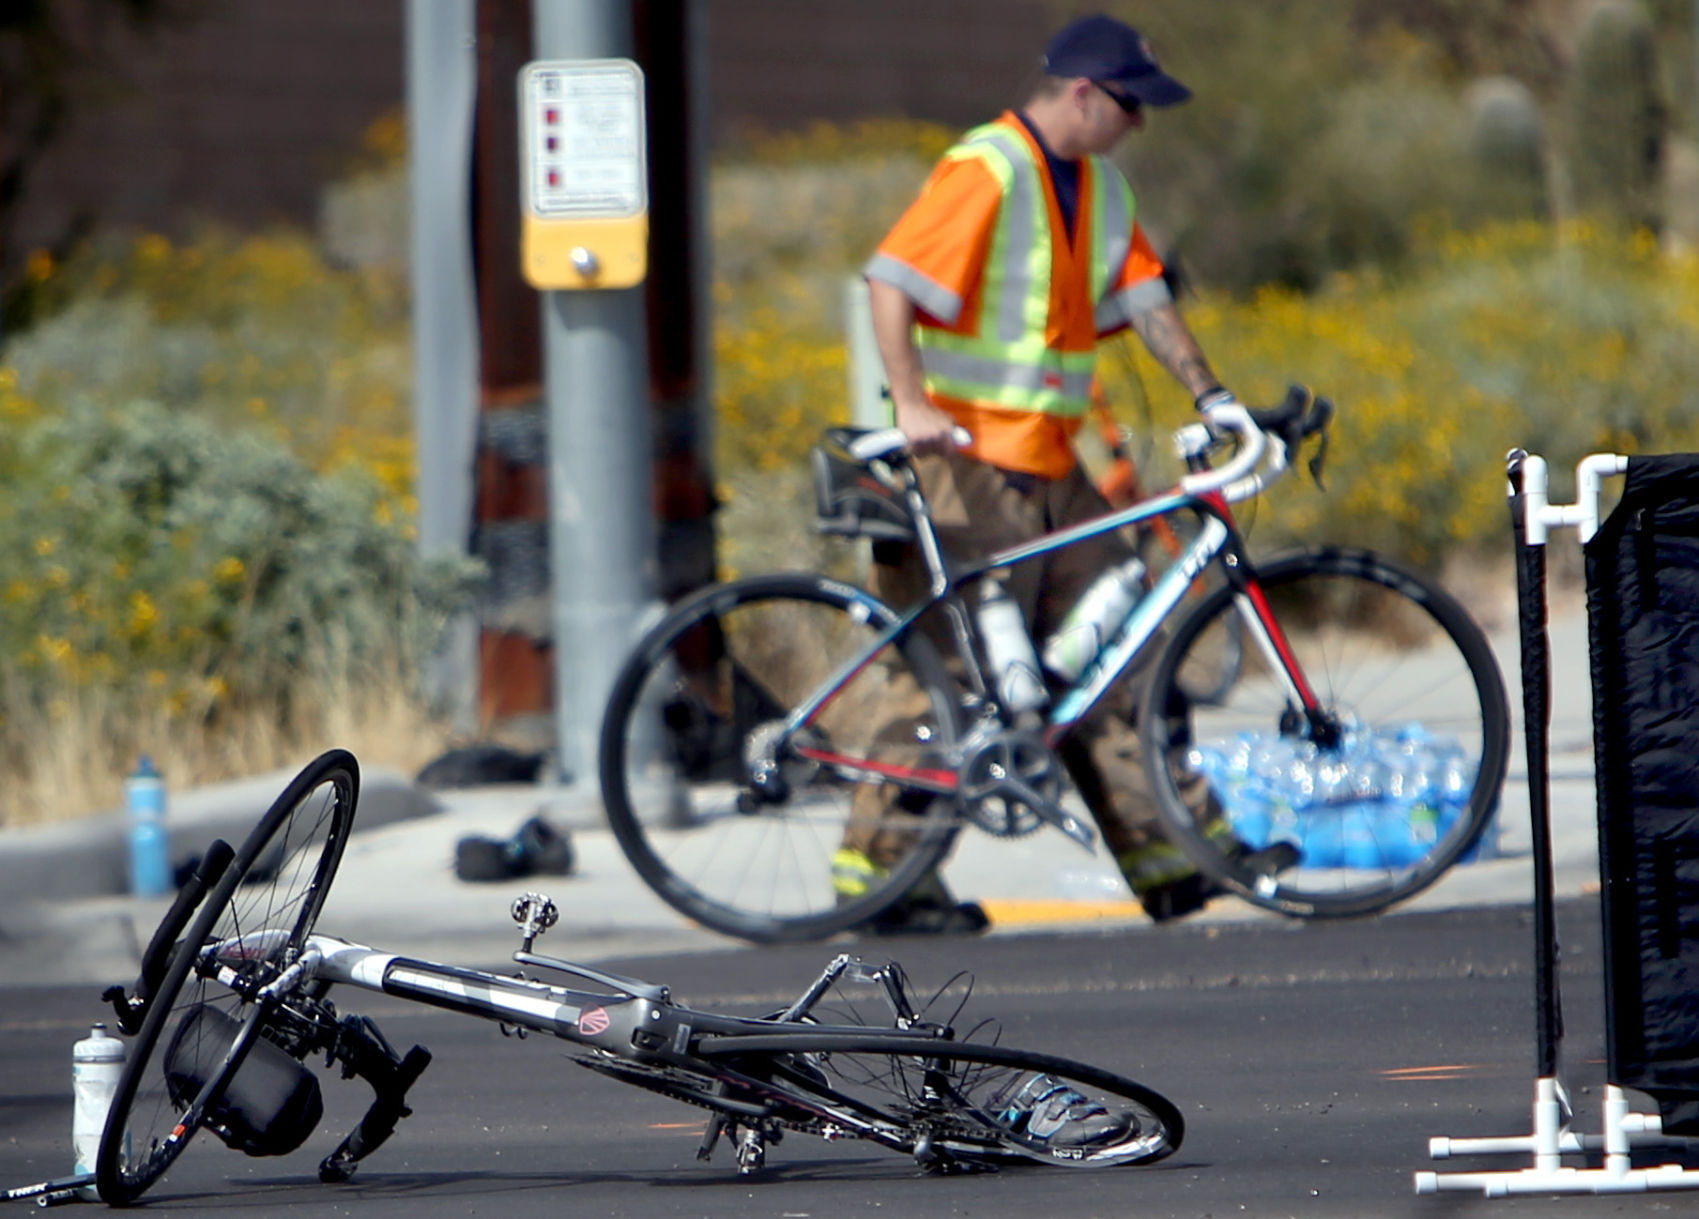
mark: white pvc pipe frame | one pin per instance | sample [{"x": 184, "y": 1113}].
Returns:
[{"x": 1551, "y": 1138}]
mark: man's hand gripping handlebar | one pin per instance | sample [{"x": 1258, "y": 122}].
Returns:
[{"x": 1272, "y": 433}]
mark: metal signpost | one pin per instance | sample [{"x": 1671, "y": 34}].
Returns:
[{"x": 585, "y": 201}]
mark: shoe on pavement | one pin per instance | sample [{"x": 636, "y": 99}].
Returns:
[
  {"x": 923, "y": 916},
  {"x": 1178, "y": 898},
  {"x": 1046, "y": 1110},
  {"x": 926, "y": 909},
  {"x": 1270, "y": 860},
  {"x": 1189, "y": 894}
]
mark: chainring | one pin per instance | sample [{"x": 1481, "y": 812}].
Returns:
[{"x": 1000, "y": 775}]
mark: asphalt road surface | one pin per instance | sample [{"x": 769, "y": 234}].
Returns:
[{"x": 1312, "y": 1064}]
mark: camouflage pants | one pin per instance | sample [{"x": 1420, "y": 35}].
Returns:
[{"x": 979, "y": 509}]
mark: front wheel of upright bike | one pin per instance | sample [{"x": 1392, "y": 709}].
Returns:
[
  {"x": 1386, "y": 788},
  {"x": 204, "y": 1019},
  {"x": 752, "y": 736}
]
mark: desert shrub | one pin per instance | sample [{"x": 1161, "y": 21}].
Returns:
[
  {"x": 1617, "y": 116},
  {"x": 257, "y": 332},
  {"x": 178, "y": 577},
  {"x": 1507, "y": 147},
  {"x": 794, "y": 216}
]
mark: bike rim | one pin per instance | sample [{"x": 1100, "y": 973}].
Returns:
[
  {"x": 261, "y": 911},
  {"x": 711, "y": 689},
  {"x": 1391, "y": 784},
  {"x": 967, "y": 1102}
]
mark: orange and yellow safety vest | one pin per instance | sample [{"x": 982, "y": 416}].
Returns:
[{"x": 1010, "y": 306}]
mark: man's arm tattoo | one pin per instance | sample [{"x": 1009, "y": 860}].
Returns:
[{"x": 1167, "y": 337}]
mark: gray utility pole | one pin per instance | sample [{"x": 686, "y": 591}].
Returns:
[
  {"x": 442, "y": 77},
  {"x": 596, "y": 388}
]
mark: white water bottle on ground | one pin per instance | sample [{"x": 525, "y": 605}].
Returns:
[
  {"x": 96, "y": 1063},
  {"x": 1014, "y": 664},
  {"x": 1095, "y": 617}
]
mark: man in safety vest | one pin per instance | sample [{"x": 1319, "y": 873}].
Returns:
[{"x": 988, "y": 301}]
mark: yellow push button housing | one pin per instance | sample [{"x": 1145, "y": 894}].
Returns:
[{"x": 584, "y": 174}]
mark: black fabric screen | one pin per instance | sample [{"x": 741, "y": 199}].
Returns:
[{"x": 1643, "y": 610}]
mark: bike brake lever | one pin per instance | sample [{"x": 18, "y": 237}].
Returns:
[
  {"x": 1320, "y": 416},
  {"x": 1318, "y": 460}
]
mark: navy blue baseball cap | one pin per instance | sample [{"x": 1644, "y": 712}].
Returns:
[{"x": 1117, "y": 57}]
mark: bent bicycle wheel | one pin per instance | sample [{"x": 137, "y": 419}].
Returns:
[
  {"x": 946, "y": 1101},
  {"x": 204, "y": 1019},
  {"x": 758, "y": 758},
  {"x": 1389, "y": 784}
]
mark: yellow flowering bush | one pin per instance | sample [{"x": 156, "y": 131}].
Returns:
[
  {"x": 227, "y": 577},
  {"x": 1563, "y": 341},
  {"x": 256, "y": 332},
  {"x": 794, "y": 215}
]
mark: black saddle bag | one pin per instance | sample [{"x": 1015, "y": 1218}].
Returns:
[
  {"x": 270, "y": 1106},
  {"x": 850, "y": 500}
]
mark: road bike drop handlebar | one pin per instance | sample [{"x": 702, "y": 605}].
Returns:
[{"x": 1272, "y": 433}]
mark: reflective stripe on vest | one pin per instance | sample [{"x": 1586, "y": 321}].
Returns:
[{"x": 1008, "y": 363}]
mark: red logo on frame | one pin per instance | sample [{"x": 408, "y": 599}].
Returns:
[{"x": 593, "y": 1020}]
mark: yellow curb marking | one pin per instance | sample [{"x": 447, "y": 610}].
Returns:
[{"x": 1014, "y": 911}]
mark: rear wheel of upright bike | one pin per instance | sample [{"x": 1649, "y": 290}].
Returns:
[
  {"x": 203, "y": 1021},
  {"x": 1395, "y": 781},
  {"x": 748, "y": 742}
]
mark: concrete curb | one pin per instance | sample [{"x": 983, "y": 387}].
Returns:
[{"x": 89, "y": 857}]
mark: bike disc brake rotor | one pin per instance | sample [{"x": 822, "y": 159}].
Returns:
[{"x": 1000, "y": 779}]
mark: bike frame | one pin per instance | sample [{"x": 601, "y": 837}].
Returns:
[
  {"x": 1218, "y": 539},
  {"x": 638, "y": 1021}
]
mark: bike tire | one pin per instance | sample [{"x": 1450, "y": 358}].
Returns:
[
  {"x": 942, "y": 1101},
  {"x": 727, "y": 665},
  {"x": 1411, "y": 691},
  {"x": 277, "y": 882}
]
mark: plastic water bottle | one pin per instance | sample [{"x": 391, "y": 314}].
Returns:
[
  {"x": 1251, "y": 812},
  {"x": 1322, "y": 840},
  {"x": 1014, "y": 664},
  {"x": 97, "y": 1061},
  {"x": 1094, "y": 619},
  {"x": 150, "y": 843}
]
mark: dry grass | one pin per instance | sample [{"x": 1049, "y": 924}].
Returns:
[{"x": 82, "y": 746}]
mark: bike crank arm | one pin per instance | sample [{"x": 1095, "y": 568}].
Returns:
[{"x": 1051, "y": 812}]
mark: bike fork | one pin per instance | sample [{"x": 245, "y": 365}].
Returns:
[{"x": 1251, "y": 603}]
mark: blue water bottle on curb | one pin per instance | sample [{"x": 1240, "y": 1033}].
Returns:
[{"x": 150, "y": 844}]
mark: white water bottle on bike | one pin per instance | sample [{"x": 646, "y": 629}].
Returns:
[
  {"x": 1094, "y": 619},
  {"x": 97, "y": 1061},
  {"x": 1008, "y": 648}
]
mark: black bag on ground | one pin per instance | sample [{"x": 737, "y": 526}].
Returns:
[
  {"x": 271, "y": 1105},
  {"x": 536, "y": 849}
]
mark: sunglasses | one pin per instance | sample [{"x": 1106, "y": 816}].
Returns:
[{"x": 1129, "y": 105}]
